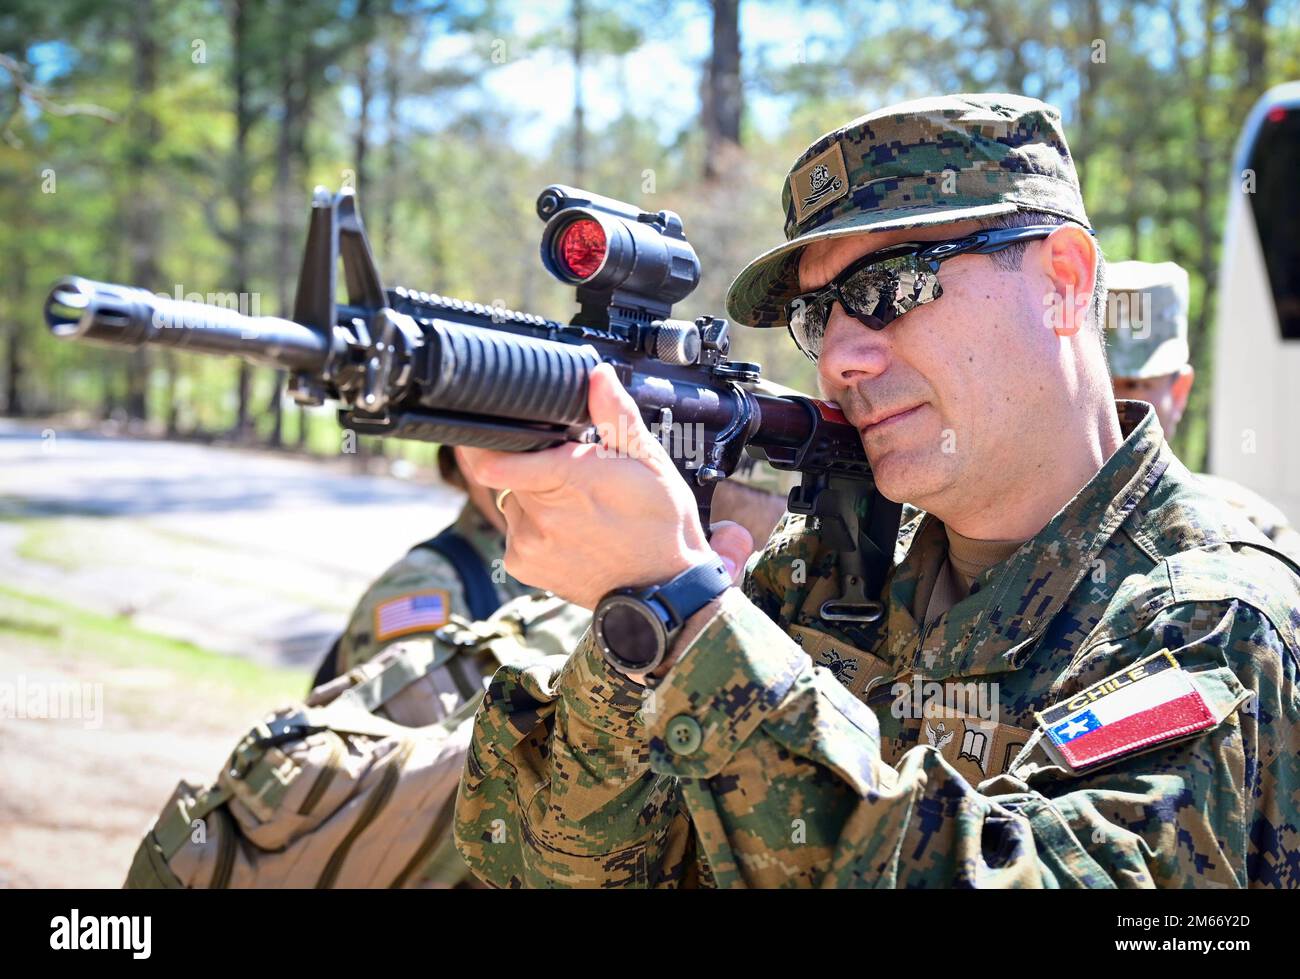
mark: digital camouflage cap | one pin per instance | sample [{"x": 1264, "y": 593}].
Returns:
[
  {"x": 1147, "y": 303},
  {"x": 929, "y": 161}
]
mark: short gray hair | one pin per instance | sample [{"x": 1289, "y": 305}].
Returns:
[{"x": 1010, "y": 259}]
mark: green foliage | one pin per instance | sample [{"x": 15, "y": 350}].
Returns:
[{"x": 448, "y": 189}]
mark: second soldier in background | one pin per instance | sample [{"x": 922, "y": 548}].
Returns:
[{"x": 1150, "y": 360}]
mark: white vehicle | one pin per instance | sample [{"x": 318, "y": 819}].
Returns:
[{"x": 1255, "y": 411}]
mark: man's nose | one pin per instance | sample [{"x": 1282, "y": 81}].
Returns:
[{"x": 851, "y": 350}]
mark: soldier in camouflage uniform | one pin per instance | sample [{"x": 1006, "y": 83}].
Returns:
[
  {"x": 1104, "y": 693},
  {"x": 1150, "y": 361},
  {"x": 427, "y": 582},
  {"x": 423, "y": 589},
  {"x": 529, "y": 625}
]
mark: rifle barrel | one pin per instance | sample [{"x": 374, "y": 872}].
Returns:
[{"x": 105, "y": 313}]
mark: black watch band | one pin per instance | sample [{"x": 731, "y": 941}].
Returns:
[{"x": 635, "y": 627}]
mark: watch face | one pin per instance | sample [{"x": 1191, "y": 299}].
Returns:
[{"x": 630, "y": 633}]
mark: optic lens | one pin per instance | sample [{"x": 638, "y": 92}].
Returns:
[{"x": 581, "y": 248}]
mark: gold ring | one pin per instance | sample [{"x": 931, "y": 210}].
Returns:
[{"x": 501, "y": 500}]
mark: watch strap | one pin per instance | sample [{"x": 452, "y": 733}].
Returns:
[
  {"x": 691, "y": 590},
  {"x": 669, "y": 605}
]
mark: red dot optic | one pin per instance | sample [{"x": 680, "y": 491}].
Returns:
[{"x": 581, "y": 247}]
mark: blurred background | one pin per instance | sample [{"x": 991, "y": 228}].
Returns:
[
  {"x": 174, "y": 145},
  {"x": 171, "y": 525}
]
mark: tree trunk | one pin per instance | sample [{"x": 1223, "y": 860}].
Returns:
[
  {"x": 361, "y": 149},
  {"x": 173, "y": 410},
  {"x": 579, "y": 123},
  {"x": 393, "y": 168},
  {"x": 13, "y": 372},
  {"x": 239, "y": 190},
  {"x": 142, "y": 219},
  {"x": 305, "y": 94},
  {"x": 1089, "y": 80},
  {"x": 285, "y": 200},
  {"x": 1206, "y": 178},
  {"x": 724, "y": 101},
  {"x": 13, "y": 339},
  {"x": 1200, "y": 327},
  {"x": 1003, "y": 40},
  {"x": 361, "y": 145},
  {"x": 1256, "y": 46}
]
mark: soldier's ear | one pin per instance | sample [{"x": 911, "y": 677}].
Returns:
[
  {"x": 449, "y": 468},
  {"x": 1182, "y": 389},
  {"x": 1068, "y": 257}
]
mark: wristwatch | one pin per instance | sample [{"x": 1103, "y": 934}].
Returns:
[{"x": 635, "y": 627}]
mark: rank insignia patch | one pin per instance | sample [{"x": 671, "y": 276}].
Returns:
[
  {"x": 1136, "y": 709},
  {"x": 421, "y": 611}
]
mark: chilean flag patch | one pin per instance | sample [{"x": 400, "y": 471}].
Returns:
[{"x": 1149, "y": 703}]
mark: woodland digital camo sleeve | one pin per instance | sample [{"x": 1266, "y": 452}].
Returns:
[{"x": 755, "y": 769}]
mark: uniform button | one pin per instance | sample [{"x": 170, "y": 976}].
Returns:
[{"x": 684, "y": 735}]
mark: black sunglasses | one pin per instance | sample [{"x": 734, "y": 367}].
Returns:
[{"x": 880, "y": 287}]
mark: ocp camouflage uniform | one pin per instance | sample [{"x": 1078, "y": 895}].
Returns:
[
  {"x": 454, "y": 687},
  {"x": 424, "y": 573},
  {"x": 525, "y": 630},
  {"x": 783, "y": 750}
]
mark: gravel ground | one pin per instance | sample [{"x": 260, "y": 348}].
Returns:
[{"x": 116, "y": 554}]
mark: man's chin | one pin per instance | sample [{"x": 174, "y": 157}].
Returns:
[{"x": 908, "y": 478}]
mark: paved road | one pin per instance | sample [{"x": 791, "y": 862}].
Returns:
[{"x": 243, "y": 552}]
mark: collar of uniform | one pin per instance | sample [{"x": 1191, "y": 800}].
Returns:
[
  {"x": 483, "y": 537},
  {"x": 994, "y": 629}
]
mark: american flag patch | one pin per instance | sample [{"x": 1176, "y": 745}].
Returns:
[
  {"x": 1149, "y": 703},
  {"x": 414, "y": 612}
]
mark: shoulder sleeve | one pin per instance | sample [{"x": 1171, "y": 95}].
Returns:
[
  {"x": 417, "y": 595},
  {"x": 781, "y": 770},
  {"x": 557, "y": 790},
  {"x": 1221, "y": 808}
]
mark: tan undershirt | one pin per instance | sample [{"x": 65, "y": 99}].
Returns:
[{"x": 967, "y": 559}]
